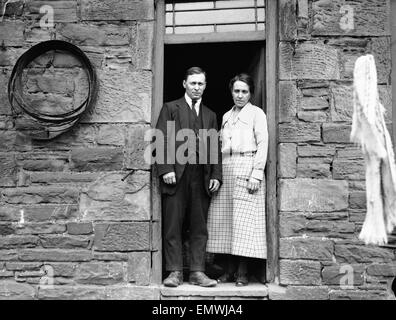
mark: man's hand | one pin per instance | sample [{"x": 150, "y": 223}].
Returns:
[
  {"x": 214, "y": 185},
  {"x": 169, "y": 178},
  {"x": 253, "y": 184}
]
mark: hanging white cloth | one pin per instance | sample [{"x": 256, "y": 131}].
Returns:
[{"x": 370, "y": 132}]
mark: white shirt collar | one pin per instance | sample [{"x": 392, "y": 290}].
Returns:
[{"x": 189, "y": 101}]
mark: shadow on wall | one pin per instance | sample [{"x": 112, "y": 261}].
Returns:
[{"x": 394, "y": 286}]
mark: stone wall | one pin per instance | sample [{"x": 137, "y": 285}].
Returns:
[
  {"x": 70, "y": 228},
  {"x": 321, "y": 197}
]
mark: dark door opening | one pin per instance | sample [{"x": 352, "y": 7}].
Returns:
[{"x": 221, "y": 61}]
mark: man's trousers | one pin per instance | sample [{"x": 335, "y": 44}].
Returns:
[{"x": 191, "y": 203}]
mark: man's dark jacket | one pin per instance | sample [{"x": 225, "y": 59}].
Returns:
[{"x": 178, "y": 111}]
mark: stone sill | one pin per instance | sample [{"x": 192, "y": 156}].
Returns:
[{"x": 225, "y": 290}]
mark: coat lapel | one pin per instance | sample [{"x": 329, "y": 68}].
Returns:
[
  {"x": 183, "y": 112},
  {"x": 205, "y": 117}
]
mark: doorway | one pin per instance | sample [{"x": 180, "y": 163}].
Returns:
[{"x": 221, "y": 61}]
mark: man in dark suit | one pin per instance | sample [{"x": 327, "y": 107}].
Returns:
[{"x": 186, "y": 181}]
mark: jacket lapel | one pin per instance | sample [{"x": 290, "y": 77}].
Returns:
[
  {"x": 183, "y": 112},
  {"x": 205, "y": 117}
]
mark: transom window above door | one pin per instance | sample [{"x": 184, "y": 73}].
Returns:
[{"x": 214, "y": 16}]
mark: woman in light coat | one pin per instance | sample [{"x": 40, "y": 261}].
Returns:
[{"x": 236, "y": 219}]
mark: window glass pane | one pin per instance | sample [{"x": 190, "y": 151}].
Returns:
[
  {"x": 194, "y": 5},
  {"x": 235, "y": 4},
  {"x": 261, "y": 14},
  {"x": 236, "y": 27},
  {"x": 215, "y": 17},
  {"x": 193, "y": 29},
  {"x": 169, "y": 19}
]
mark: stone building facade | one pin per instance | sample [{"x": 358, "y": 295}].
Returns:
[{"x": 71, "y": 228}]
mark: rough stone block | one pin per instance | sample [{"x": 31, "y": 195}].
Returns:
[
  {"x": 348, "y": 275},
  {"x": 299, "y": 132},
  {"x": 349, "y": 169},
  {"x": 97, "y": 159},
  {"x": 299, "y": 272},
  {"x": 96, "y": 35},
  {"x": 8, "y": 255},
  {"x": 358, "y": 295},
  {"x": 35, "y": 195},
  {"x": 382, "y": 270},
  {"x": 145, "y": 43},
  {"x": 11, "y": 290},
  {"x": 312, "y": 116},
  {"x": 38, "y": 213},
  {"x": 305, "y": 248},
  {"x": 300, "y": 293},
  {"x": 308, "y": 60},
  {"x": 11, "y": 33},
  {"x": 78, "y": 228},
  {"x": 65, "y": 242},
  {"x": 136, "y": 146},
  {"x": 380, "y": 48},
  {"x": 110, "y": 256},
  {"x": 288, "y": 95},
  {"x": 358, "y": 18},
  {"x": 313, "y": 103},
  {"x": 54, "y": 255},
  {"x": 330, "y": 225},
  {"x": 111, "y": 135},
  {"x": 124, "y": 96},
  {"x": 109, "y": 198},
  {"x": 139, "y": 268},
  {"x": 61, "y": 177},
  {"x": 71, "y": 292},
  {"x": 64, "y": 11},
  {"x": 287, "y": 160},
  {"x": 357, "y": 200},
  {"x": 287, "y": 20},
  {"x": 316, "y": 151},
  {"x": 313, "y": 168},
  {"x": 311, "y": 195},
  {"x": 21, "y": 266},
  {"x": 358, "y": 253},
  {"x": 122, "y": 236},
  {"x": 336, "y": 133},
  {"x": 99, "y": 273},
  {"x": 8, "y": 170},
  {"x": 13, "y": 242},
  {"x": 108, "y": 10},
  {"x": 5, "y": 108}
]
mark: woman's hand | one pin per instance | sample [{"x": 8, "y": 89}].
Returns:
[{"x": 253, "y": 184}]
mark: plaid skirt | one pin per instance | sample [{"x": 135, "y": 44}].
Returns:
[{"x": 236, "y": 218}]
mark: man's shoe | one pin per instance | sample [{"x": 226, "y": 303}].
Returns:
[
  {"x": 201, "y": 279},
  {"x": 174, "y": 279}
]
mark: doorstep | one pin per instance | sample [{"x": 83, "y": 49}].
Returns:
[{"x": 223, "y": 291}]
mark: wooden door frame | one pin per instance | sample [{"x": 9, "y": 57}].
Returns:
[{"x": 271, "y": 45}]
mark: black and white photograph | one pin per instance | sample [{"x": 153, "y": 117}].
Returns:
[{"x": 202, "y": 157}]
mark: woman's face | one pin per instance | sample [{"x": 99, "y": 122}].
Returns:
[{"x": 240, "y": 93}]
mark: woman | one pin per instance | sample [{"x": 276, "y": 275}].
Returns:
[{"x": 236, "y": 219}]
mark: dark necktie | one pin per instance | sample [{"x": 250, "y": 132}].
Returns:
[{"x": 193, "y": 103}]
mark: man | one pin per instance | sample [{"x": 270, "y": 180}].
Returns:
[{"x": 186, "y": 187}]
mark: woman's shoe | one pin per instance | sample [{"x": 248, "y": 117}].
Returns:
[
  {"x": 242, "y": 280},
  {"x": 226, "y": 277}
]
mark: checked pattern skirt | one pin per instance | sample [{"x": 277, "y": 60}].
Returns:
[{"x": 236, "y": 218}]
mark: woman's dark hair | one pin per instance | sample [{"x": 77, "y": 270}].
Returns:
[
  {"x": 194, "y": 70},
  {"x": 244, "y": 77}
]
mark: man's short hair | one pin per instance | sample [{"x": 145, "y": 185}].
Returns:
[
  {"x": 244, "y": 77},
  {"x": 194, "y": 70}
]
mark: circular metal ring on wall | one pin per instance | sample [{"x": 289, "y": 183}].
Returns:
[{"x": 47, "y": 125}]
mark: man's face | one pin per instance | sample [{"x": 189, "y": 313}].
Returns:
[{"x": 195, "y": 85}]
